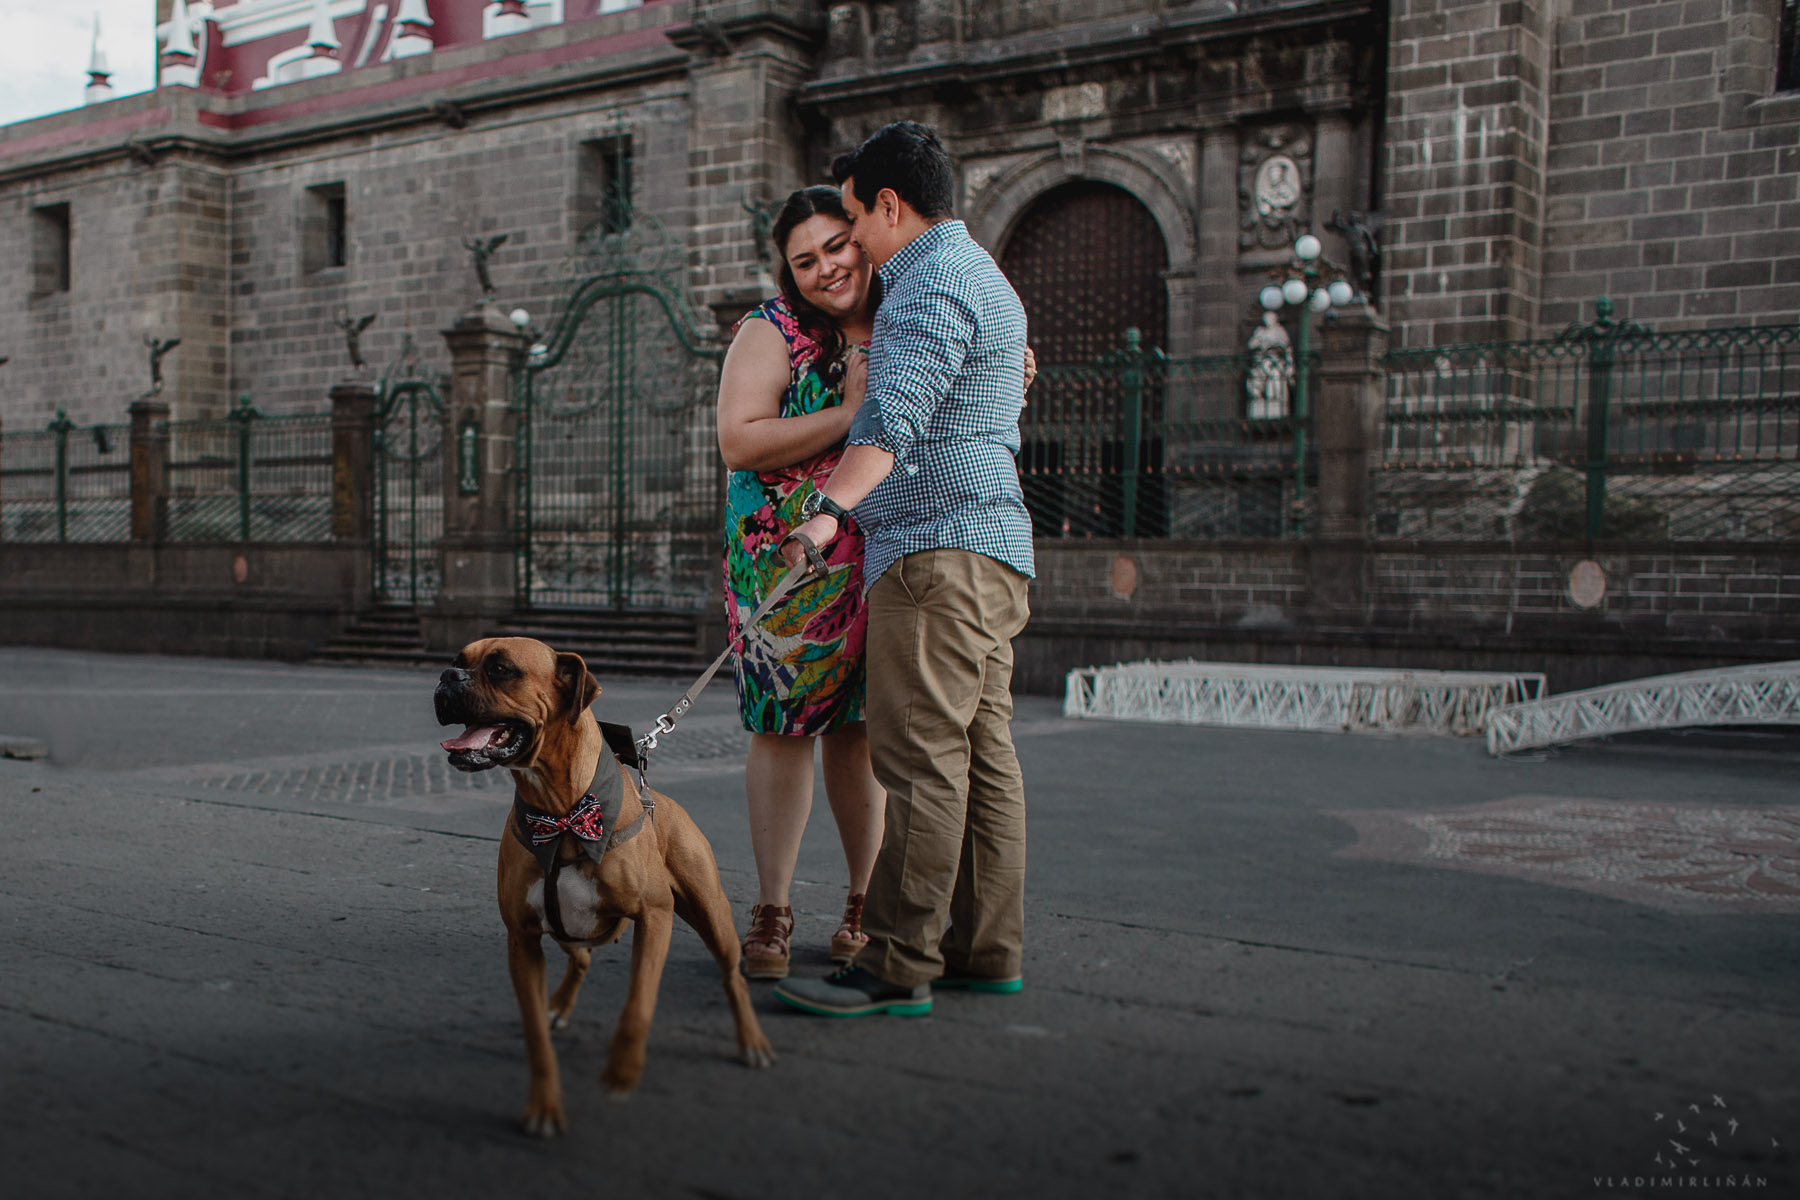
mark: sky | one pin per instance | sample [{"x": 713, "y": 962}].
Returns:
[{"x": 44, "y": 48}]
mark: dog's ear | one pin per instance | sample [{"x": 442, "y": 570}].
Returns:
[{"x": 577, "y": 686}]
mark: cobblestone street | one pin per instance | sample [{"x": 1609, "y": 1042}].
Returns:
[{"x": 250, "y": 948}]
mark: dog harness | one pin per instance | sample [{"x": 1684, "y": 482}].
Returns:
[{"x": 589, "y": 823}]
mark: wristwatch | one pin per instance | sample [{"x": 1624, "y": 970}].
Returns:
[{"x": 817, "y": 502}]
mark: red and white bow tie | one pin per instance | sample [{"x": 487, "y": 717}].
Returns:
[{"x": 585, "y": 821}]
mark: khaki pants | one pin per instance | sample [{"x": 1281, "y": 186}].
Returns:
[{"x": 939, "y": 657}]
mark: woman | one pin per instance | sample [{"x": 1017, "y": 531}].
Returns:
[{"x": 792, "y": 381}]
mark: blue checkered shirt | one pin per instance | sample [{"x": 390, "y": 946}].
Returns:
[{"x": 946, "y": 384}]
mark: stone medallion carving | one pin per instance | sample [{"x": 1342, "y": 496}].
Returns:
[{"x": 1274, "y": 186}]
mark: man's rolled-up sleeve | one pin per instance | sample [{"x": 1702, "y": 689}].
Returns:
[{"x": 917, "y": 351}]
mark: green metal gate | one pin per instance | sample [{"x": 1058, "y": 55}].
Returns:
[
  {"x": 409, "y": 485},
  {"x": 619, "y": 472}
]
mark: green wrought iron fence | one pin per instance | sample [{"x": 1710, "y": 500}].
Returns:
[
  {"x": 620, "y": 497},
  {"x": 1609, "y": 431},
  {"x": 66, "y": 483},
  {"x": 620, "y": 501},
  {"x": 245, "y": 477},
  {"x": 1139, "y": 444},
  {"x": 409, "y": 489}
]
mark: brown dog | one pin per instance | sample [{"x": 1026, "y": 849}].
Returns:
[{"x": 578, "y": 819}]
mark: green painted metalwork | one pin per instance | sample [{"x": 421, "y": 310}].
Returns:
[
  {"x": 468, "y": 458},
  {"x": 66, "y": 483},
  {"x": 619, "y": 497},
  {"x": 1602, "y": 336},
  {"x": 242, "y": 417},
  {"x": 1134, "y": 427},
  {"x": 1140, "y": 444},
  {"x": 247, "y": 477},
  {"x": 61, "y": 427},
  {"x": 1608, "y": 432},
  {"x": 408, "y": 486}
]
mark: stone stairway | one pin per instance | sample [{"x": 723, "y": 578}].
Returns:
[
  {"x": 662, "y": 643},
  {"x": 644, "y": 642},
  {"x": 387, "y": 635}
]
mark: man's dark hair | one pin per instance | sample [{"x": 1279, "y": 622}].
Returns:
[{"x": 907, "y": 157}]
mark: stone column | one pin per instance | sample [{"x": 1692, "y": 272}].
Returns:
[
  {"x": 149, "y": 469},
  {"x": 1346, "y": 422},
  {"x": 352, "y": 460},
  {"x": 1334, "y": 179},
  {"x": 1219, "y": 311},
  {"x": 745, "y": 147},
  {"x": 475, "y": 553}
]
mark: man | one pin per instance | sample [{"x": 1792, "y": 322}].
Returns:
[{"x": 930, "y": 469}]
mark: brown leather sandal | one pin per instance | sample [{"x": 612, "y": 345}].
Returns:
[
  {"x": 849, "y": 938},
  {"x": 766, "y": 944}
]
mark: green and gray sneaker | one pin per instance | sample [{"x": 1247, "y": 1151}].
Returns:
[{"x": 853, "y": 992}]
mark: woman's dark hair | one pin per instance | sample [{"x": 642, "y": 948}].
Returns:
[
  {"x": 803, "y": 204},
  {"x": 907, "y": 157}
]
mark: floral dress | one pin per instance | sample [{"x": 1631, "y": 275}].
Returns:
[{"x": 801, "y": 670}]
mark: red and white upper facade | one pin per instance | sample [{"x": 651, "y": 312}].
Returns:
[{"x": 236, "y": 46}]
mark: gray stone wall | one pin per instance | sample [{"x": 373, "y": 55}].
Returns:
[
  {"x": 410, "y": 201},
  {"x": 1461, "y": 608},
  {"x": 147, "y": 257},
  {"x": 1540, "y": 155},
  {"x": 1464, "y": 174},
  {"x": 1674, "y": 168}
]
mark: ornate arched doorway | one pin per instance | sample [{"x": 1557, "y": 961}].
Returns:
[{"x": 1088, "y": 260}]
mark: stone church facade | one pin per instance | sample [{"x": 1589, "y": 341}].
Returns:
[
  {"x": 1525, "y": 157},
  {"x": 1481, "y": 171}
]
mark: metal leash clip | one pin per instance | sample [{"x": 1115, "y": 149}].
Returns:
[{"x": 647, "y": 743}]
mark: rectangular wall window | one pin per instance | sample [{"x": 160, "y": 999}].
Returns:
[
  {"x": 325, "y": 229},
  {"x": 603, "y": 186},
  {"x": 50, "y": 240},
  {"x": 1787, "y": 48}
]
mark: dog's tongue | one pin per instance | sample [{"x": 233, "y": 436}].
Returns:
[{"x": 476, "y": 737}]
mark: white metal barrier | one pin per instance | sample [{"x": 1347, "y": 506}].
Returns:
[
  {"x": 1325, "y": 698},
  {"x": 1764, "y": 694}
]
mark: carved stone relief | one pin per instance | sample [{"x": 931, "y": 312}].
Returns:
[
  {"x": 1075, "y": 103},
  {"x": 1178, "y": 153},
  {"x": 1274, "y": 186},
  {"x": 1074, "y": 155},
  {"x": 979, "y": 173}
]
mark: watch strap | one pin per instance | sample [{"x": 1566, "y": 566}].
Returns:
[{"x": 818, "y": 502}]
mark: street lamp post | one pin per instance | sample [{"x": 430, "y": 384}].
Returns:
[{"x": 1301, "y": 290}]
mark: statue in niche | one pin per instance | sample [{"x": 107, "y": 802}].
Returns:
[{"x": 1271, "y": 376}]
